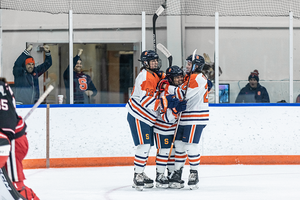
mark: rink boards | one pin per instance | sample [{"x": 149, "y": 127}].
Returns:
[{"x": 98, "y": 135}]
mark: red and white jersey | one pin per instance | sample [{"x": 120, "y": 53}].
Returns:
[
  {"x": 166, "y": 121},
  {"x": 143, "y": 103},
  {"x": 11, "y": 124},
  {"x": 197, "y": 110}
]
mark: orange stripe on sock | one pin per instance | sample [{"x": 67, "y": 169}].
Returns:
[{"x": 161, "y": 160}]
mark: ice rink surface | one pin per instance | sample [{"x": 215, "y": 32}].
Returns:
[{"x": 217, "y": 182}]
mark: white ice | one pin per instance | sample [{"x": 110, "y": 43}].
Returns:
[{"x": 217, "y": 182}]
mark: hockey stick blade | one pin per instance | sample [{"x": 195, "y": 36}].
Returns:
[
  {"x": 154, "y": 18},
  {"x": 166, "y": 52},
  {"x": 7, "y": 189},
  {"x": 40, "y": 100},
  {"x": 194, "y": 55}
]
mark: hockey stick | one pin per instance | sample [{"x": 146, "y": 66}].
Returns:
[
  {"x": 154, "y": 18},
  {"x": 49, "y": 89},
  {"x": 7, "y": 189},
  {"x": 166, "y": 52},
  {"x": 178, "y": 119}
]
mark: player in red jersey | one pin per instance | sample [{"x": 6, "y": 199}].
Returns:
[{"x": 12, "y": 131}]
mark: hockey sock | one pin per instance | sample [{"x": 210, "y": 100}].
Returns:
[
  {"x": 171, "y": 162},
  {"x": 180, "y": 155},
  {"x": 193, "y": 151},
  {"x": 141, "y": 157},
  {"x": 162, "y": 160}
]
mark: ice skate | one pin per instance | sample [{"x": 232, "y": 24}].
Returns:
[
  {"x": 181, "y": 181},
  {"x": 138, "y": 181},
  {"x": 175, "y": 180},
  {"x": 148, "y": 182},
  {"x": 161, "y": 181},
  {"x": 193, "y": 180}
]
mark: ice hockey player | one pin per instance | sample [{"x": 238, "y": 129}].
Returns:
[
  {"x": 192, "y": 122},
  {"x": 164, "y": 129},
  {"x": 13, "y": 127},
  {"x": 142, "y": 113}
]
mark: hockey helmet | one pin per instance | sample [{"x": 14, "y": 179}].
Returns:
[
  {"x": 198, "y": 63},
  {"x": 172, "y": 72},
  {"x": 147, "y": 56}
]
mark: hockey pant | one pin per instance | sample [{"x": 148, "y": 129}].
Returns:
[
  {"x": 4, "y": 149},
  {"x": 14, "y": 166}
]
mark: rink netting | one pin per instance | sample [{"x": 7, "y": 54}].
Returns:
[{"x": 270, "y": 8}]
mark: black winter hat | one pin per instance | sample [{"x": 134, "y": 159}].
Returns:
[{"x": 254, "y": 74}]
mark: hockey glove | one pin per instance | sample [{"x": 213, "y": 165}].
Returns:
[
  {"x": 169, "y": 101},
  {"x": 162, "y": 84},
  {"x": 181, "y": 106}
]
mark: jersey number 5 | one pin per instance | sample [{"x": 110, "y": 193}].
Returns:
[{"x": 3, "y": 104}]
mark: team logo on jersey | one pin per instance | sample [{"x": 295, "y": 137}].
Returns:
[{"x": 2, "y": 90}]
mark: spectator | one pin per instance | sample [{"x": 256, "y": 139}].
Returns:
[
  {"x": 298, "y": 99},
  {"x": 26, "y": 76},
  {"x": 13, "y": 132},
  {"x": 253, "y": 92},
  {"x": 84, "y": 88}
]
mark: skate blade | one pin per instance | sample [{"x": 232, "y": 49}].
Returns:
[
  {"x": 175, "y": 185},
  {"x": 193, "y": 187},
  {"x": 163, "y": 186},
  {"x": 138, "y": 188},
  {"x": 148, "y": 185}
]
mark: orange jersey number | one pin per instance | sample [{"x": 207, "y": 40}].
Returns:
[
  {"x": 205, "y": 97},
  {"x": 150, "y": 92}
]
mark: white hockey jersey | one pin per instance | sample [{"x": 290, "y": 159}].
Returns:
[
  {"x": 197, "y": 111},
  {"x": 166, "y": 121},
  {"x": 143, "y": 103}
]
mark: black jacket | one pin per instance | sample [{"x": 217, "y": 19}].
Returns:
[
  {"x": 26, "y": 88},
  {"x": 81, "y": 83},
  {"x": 253, "y": 95},
  {"x": 11, "y": 124}
]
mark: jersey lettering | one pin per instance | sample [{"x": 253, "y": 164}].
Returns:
[
  {"x": 2, "y": 90},
  {"x": 149, "y": 92},
  {"x": 3, "y": 104},
  {"x": 205, "y": 97},
  {"x": 82, "y": 83},
  {"x": 166, "y": 141}
]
